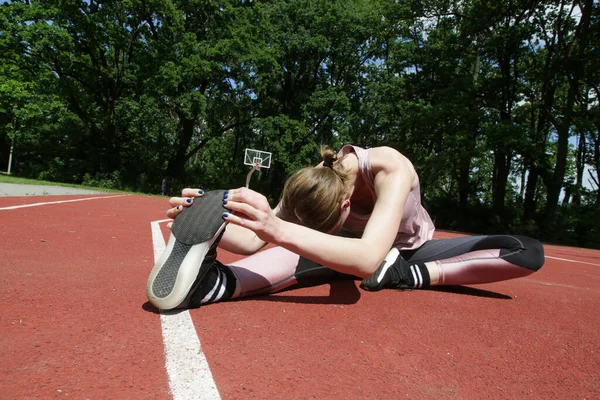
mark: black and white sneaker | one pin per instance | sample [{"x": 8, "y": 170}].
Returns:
[
  {"x": 190, "y": 253},
  {"x": 392, "y": 273}
]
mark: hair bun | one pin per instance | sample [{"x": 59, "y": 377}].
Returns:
[{"x": 329, "y": 156}]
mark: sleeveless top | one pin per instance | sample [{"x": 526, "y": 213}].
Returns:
[{"x": 416, "y": 226}]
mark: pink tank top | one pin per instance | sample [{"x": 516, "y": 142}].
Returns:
[{"x": 416, "y": 226}]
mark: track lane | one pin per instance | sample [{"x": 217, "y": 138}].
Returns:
[
  {"x": 533, "y": 337},
  {"x": 73, "y": 279},
  {"x": 74, "y": 322}
]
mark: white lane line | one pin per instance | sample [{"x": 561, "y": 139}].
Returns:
[
  {"x": 61, "y": 201},
  {"x": 573, "y": 261},
  {"x": 187, "y": 368}
]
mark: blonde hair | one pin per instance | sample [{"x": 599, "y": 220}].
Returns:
[{"x": 312, "y": 197}]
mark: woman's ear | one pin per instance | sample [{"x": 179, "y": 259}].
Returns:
[
  {"x": 345, "y": 211},
  {"x": 345, "y": 205}
]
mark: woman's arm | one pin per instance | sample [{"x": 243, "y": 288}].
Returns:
[
  {"x": 239, "y": 240},
  {"x": 361, "y": 257}
]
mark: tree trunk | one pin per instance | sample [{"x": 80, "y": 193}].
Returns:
[
  {"x": 568, "y": 191},
  {"x": 463, "y": 182},
  {"x": 596, "y": 158},
  {"x": 464, "y": 168},
  {"x": 531, "y": 162},
  {"x": 502, "y": 156},
  {"x": 10, "y": 156},
  {"x": 176, "y": 165},
  {"x": 529, "y": 204},
  {"x": 579, "y": 166},
  {"x": 555, "y": 182},
  {"x": 500, "y": 180}
]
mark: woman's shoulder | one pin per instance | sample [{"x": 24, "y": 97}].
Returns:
[
  {"x": 381, "y": 152},
  {"x": 382, "y": 158},
  {"x": 390, "y": 160},
  {"x": 387, "y": 156}
]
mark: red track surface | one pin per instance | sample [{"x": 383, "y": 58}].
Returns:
[{"x": 75, "y": 323}]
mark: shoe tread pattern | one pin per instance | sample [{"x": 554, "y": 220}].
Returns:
[
  {"x": 165, "y": 279},
  {"x": 199, "y": 222}
]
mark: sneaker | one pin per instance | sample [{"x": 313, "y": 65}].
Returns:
[
  {"x": 392, "y": 273},
  {"x": 191, "y": 252}
]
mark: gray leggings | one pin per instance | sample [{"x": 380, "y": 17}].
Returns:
[{"x": 517, "y": 250}]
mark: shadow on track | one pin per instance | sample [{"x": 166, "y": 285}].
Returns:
[
  {"x": 470, "y": 291},
  {"x": 149, "y": 307},
  {"x": 340, "y": 292},
  {"x": 346, "y": 292}
]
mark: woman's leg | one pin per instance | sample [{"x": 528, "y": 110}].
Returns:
[
  {"x": 479, "y": 259},
  {"x": 460, "y": 261},
  {"x": 276, "y": 269},
  {"x": 267, "y": 272}
]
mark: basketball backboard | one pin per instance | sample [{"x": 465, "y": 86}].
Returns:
[{"x": 253, "y": 157}]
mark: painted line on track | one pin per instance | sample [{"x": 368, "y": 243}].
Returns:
[
  {"x": 187, "y": 368},
  {"x": 60, "y": 201},
  {"x": 573, "y": 261}
]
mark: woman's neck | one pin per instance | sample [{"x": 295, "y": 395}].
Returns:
[
  {"x": 350, "y": 166},
  {"x": 360, "y": 196}
]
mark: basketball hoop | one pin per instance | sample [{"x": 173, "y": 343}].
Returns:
[{"x": 257, "y": 159}]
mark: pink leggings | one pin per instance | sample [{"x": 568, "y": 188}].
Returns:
[{"x": 460, "y": 261}]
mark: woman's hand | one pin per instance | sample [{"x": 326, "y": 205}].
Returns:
[
  {"x": 186, "y": 200},
  {"x": 252, "y": 211}
]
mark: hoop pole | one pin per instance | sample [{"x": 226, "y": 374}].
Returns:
[{"x": 254, "y": 168}]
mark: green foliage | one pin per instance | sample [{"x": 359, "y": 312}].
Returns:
[{"x": 484, "y": 98}]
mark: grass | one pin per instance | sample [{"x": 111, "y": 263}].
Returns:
[{"x": 25, "y": 181}]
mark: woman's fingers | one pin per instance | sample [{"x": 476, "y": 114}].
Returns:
[
  {"x": 186, "y": 200},
  {"x": 251, "y": 210},
  {"x": 248, "y": 196},
  {"x": 178, "y": 203},
  {"x": 181, "y": 201},
  {"x": 190, "y": 192},
  {"x": 241, "y": 221},
  {"x": 242, "y": 208},
  {"x": 173, "y": 212}
]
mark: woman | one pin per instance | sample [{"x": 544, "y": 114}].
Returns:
[{"x": 345, "y": 214}]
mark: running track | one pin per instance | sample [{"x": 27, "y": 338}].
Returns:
[{"x": 75, "y": 324}]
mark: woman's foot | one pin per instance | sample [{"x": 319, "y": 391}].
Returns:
[
  {"x": 392, "y": 273},
  {"x": 396, "y": 273},
  {"x": 190, "y": 254}
]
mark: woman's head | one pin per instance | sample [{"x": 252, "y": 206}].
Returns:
[{"x": 317, "y": 197}]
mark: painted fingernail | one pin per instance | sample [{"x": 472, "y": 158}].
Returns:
[
  {"x": 188, "y": 201},
  {"x": 224, "y": 202},
  {"x": 178, "y": 208},
  {"x": 226, "y": 193},
  {"x": 200, "y": 191},
  {"x": 225, "y": 196},
  {"x": 225, "y": 215}
]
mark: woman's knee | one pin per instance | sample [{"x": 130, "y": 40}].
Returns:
[
  {"x": 523, "y": 251},
  {"x": 533, "y": 254}
]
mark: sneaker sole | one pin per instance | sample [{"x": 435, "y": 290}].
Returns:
[{"x": 193, "y": 234}]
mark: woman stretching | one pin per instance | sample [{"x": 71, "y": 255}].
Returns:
[{"x": 358, "y": 215}]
